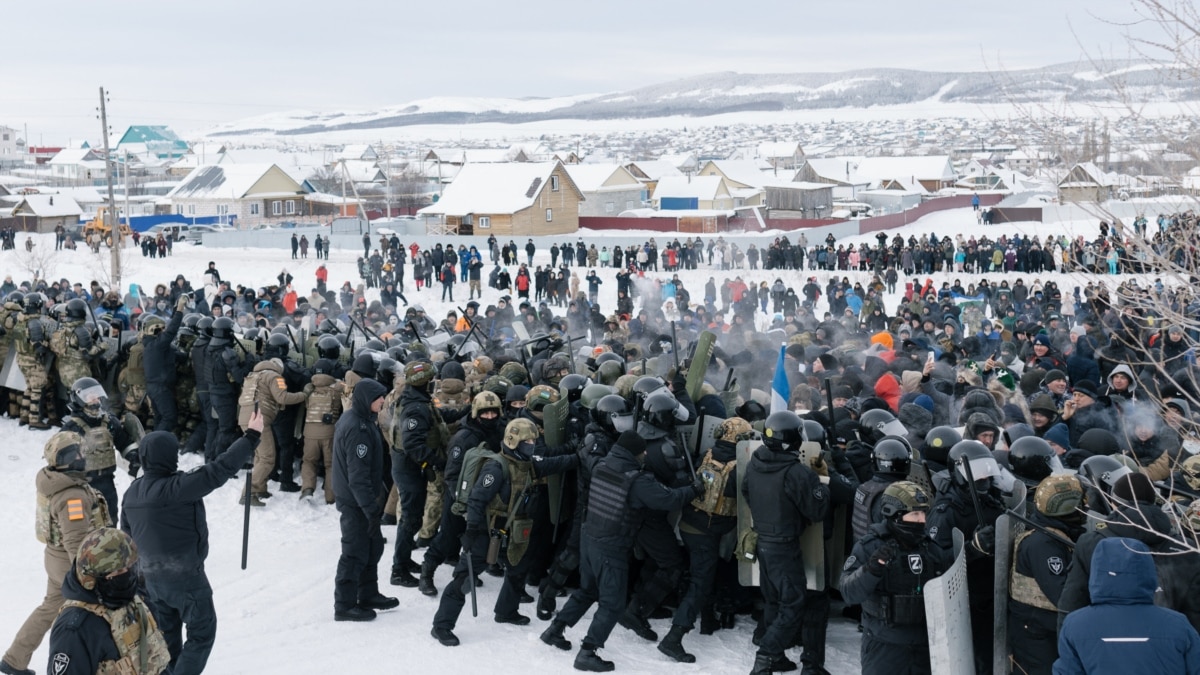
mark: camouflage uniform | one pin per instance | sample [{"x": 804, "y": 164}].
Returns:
[
  {"x": 30, "y": 334},
  {"x": 266, "y": 387},
  {"x": 323, "y": 409},
  {"x": 187, "y": 401},
  {"x": 453, "y": 393},
  {"x": 132, "y": 385},
  {"x": 75, "y": 347},
  {"x": 67, "y": 509},
  {"x": 13, "y": 398}
]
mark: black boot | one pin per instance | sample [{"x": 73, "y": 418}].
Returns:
[
  {"x": 587, "y": 660},
  {"x": 553, "y": 636},
  {"x": 425, "y": 583},
  {"x": 633, "y": 620},
  {"x": 546, "y": 601},
  {"x": 444, "y": 636},
  {"x": 402, "y": 577},
  {"x": 762, "y": 665},
  {"x": 672, "y": 645}
]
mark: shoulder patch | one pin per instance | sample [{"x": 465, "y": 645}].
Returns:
[
  {"x": 849, "y": 563},
  {"x": 280, "y": 383},
  {"x": 412, "y": 423},
  {"x": 61, "y": 662},
  {"x": 74, "y": 509},
  {"x": 488, "y": 479},
  {"x": 1055, "y": 564},
  {"x": 933, "y": 532},
  {"x": 361, "y": 450}
]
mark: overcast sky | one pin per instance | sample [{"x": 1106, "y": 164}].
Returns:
[{"x": 194, "y": 64}]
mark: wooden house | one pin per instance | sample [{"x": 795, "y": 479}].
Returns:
[
  {"x": 513, "y": 198},
  {"x": 608, "y": 189},
  {"x": 43, "y": 213},
  {"x": 251, "y": 193}
]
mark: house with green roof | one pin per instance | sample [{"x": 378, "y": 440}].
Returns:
[{"x": 150, "y": 142}]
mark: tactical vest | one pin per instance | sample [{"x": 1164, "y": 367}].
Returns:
[
  {"x": 715, "y": 475},
  {"x": 439, "y": 434},
  {"x": 864, "y": 503},
  {"x": 249, "y": 389},
  {"x": 899, "y": 599},
  {"x": 517, "y": 523},
  {"x": 135, "y": 372},
  {"x": 1025, "y": 589},
  {"x": 452, "y": 392},
  {"x": 140, "y": 643},
  {"x": 49, "y": 532},
  {"x": 389, "y": 420},
  {"x": 608, "y": 512},
  {"x": 20, "y": 334},
  {"x": 323, "y": 401},
  {"x": 98, "y": 445}
]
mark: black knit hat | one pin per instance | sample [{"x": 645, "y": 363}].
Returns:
[{"x": 632, "y": 442}]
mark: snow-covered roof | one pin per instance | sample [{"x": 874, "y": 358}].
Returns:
[
  {"x": 223, "y": 181},
  {"x": 360, "y": 151},
  {"x": 931, "y": 167},
  {"x": 592, "y": 177},
  {"x": 655, "y": 169},
  {"x": 841, "y": 169},
  {"x": 72, "y": 156},
  {"x": 695, "y": 187},
  {"x": 747, "y": 172},
  {"x": 485, "y": 188},
  {"x": 772, "y": 149},
  {"x": 359, "y": 171},
  {"x": 48, "y": 206},
  {"x": 326, "y": 198}
]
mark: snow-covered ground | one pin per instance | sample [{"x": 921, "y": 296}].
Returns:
[{"x": 277, "y": 616}]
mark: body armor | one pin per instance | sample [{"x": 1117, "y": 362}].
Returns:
[
  {"x": 1024, "y": 589},
  {"x": 140, "y": 643}
]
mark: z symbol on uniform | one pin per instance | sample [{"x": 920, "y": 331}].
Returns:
[
  {"x": 1056, "y": 565},
  {"x": 915, "y": 563},
  {"x": 60, "y": 661},
  {"x": 361, "y": 450}
]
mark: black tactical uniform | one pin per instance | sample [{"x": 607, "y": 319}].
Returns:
[
  {"x": 1039, "y": 572},
  {"x": 204, "y": 436},
  {"x": 225, "y": 373},
  {"x": 158, "y": 361},
  {"x": 422, "y": 449}
]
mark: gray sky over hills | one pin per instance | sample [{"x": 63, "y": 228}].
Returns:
[{"x": 192, "y": 65}]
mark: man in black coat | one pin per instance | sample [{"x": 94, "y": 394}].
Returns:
[
  {"x": 163, "y": 511},
  {"x": 359, "y": 495},
  {"x": 158, "y": 360},
  {"x": 223, "y": 370}
]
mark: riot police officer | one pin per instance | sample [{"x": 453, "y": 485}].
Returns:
[
  {"x": 74, "y": 343},
  {"x": 158, "y": 358},
  {"x": 423, "y": 444},
  {"x": 103, "y": 436},
  {"x": 892, "y": 457},
  {"x": 224, "y": 371}
]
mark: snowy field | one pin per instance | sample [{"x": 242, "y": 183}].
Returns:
[{"x": 277, "y": 616}]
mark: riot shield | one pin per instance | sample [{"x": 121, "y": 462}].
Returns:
[
  {"x": 812, "y": 542},
  {"x": 708, "y": 427},
  {"x": 520, "y": 331},
  {"x": 919, "y": 473},
  {"x": 835, "y": 552},
  {"x": 948, "y": 614},
  {"x": 554, "y": 422},
  {"x": 11, "y": 376},
  {"x": 1007, "y": 529},
  {"x": 1016, "y": 501},
  {"x": 747, "y": 569},
  {"x": 434, "y": 342},
  {"x": 699, "y": 363},
  {"x": 687, "y": 437}
]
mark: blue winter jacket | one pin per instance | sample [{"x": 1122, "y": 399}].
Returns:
[{"x": 1122, "y": 631}]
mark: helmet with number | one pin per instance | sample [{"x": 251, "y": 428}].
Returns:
[
  {"x": 34, "y": 303},
  {"x": 76, "y": 309},
  {"x": 520, "y": 438},
  {"x": 102, "y": 552},
  {"x": 571, "y": 387},
  {"x": 814, "y": 431},
  {"x": 892, "y": 455},
  {"x": 1102, "y": 471},
  {"x": 222, "y": 328},
  {"x": 486, "y": 400},
  {"x": 611, "y": 413},
  {"x": 983, "y": 466},
  {"x": 418, "y": 373},
  {"x": 877, "y": 423},
  {"x": 1191, "y": 472},
  {"x": 278, "y": 346},
  {"x": 733, "y": 430},
  {"x": 328, "y": 347},
  {"x": 661, "y": 410},
  {"x": 539, "y": 397},
  {"x": 514, "y": 372},
  {"x": 89, "y": 399},
  {"x": 1059, "y": 496},
  {"x": 783, "y": 431},
  {"x": 592, "y": 394},
  {"x": 902, "y": 497},
  {"x": 1032, "y": 459},
  {"x": 63, "y": 452}
]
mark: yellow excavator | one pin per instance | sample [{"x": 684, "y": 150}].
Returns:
[{"x": 98, "y": 227}]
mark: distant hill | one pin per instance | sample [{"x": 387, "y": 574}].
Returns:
[{"x": 721, "y": 93}]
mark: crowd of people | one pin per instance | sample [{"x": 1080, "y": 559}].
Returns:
[{"x": 546, "y": 448}]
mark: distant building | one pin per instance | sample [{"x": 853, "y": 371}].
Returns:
[
  {"x": 510, "y": 199},
  {"x": 10, "y": 143},
  {"x": 253, "y": 193},
  {"x": 43, "y": 213},
  {"x": 1085, "y": 182},
  {"x": 151, "y": 142},
  {"x": 608, "y": 189}
]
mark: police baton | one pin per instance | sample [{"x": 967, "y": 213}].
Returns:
[
  {"x": 246, "y": 522},
  {"x": 966, "y": 467},
  {"x": 471, "y": 579},
  {"x": 1062, "y": 540}
]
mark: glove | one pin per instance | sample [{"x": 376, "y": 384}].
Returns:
[
  {"x": 698, "y": 487},
  {"x": 182, "y": 303},
  {"x": 679, "y": 382},
  {"x": 308, "y": 389},
  {"x": 83, "y": 336},
  {"x": 134, "y": 469},
  {"x": 878, "y": 562},
  {"x": 470, "y": 536},
  {"x": 984, "y": 540},
  {"x": 818, "y": 464}
]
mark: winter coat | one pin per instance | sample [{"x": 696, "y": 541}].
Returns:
[{"x": 1122, "y": 631}]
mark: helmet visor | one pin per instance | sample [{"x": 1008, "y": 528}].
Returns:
[
  {"x": 894, "y": 428},
  {"x": 94, "y": 400},
  {"x": 981, "y": 468},
  {"x": 622, "y": 422}
]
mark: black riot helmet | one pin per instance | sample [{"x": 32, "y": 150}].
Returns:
[
  {"x": 277, "y": 346},
  {"x": 983, "y": 465},
  {"x": 76, "y": 310},
  {"x": 783, "y": 432},
  {"x": 1032, "y": 459},
  {"x": 190, "y": 321},
  {"x": 89, "y": 399},
  {"x": 892, "y": 455},
  {"x": 204, "y": 326},
  {"x": 876, "y": 423},
  {"x": 328, "y": 327},
  {"x": 324, "y": 367},
  {"x": 222, "y": 328},
  {"x": 814, "y": 431},
  {"x": 610, "y": 413},
  {"x": 328, "y": 347},
  {"x": 374, "y": 344},
  {"x": 16, "y": 297},
  {"x": 34, "y": 303},
  {"x": 571, "y": 387},
  {"x": 938, "y": 443},
  {"x": 752, "y": 411},
  {"x": 1016, "y": 432},
  {"x": 661, "y": 410},
  {"x": 1103, "y": 471}
]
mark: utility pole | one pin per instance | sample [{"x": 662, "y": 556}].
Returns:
[{"x": 114, "y": 224}]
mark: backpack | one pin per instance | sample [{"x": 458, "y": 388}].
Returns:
[
  {"x": 473, "y": 462},
  {"x": 715, "y": 475}
]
